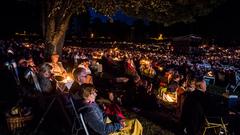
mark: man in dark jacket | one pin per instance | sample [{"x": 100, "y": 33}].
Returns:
[
  {"x": 193, "y": 109},
  {"x": 80, "y": 77}
]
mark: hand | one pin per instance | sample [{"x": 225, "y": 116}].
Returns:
[
  {"x": 123, "y": 124},
  {"x": 104, "y": 106},
  {"x": 64, "y": 74}
]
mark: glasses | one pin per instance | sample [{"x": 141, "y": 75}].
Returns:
[{"x": 83, "y": 76}]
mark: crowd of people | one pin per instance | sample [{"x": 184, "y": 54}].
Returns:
[{"x": 146, "y": 76}]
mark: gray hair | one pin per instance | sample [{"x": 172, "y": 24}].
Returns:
[
  {"x": 44, "y": 68},
  {"x": 77, "y": 72}
]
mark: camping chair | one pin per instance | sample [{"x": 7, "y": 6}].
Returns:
[
  {"x": 220, "y": 125},
  {"x": 216, "y": 114},
  {"x": 35, "y": 80},
  {"x": 79, "y": 122}
]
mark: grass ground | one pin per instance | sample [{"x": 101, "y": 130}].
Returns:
[{"x": 149, "y": 127}]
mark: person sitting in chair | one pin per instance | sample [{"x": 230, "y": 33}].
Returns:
[
  {"x": 80, "y": 77},
  {"x": 46, "y": 82},
  {"x": 93, "y": 115},
  {"x": 112, "y": 109},
  {"x": 57, "y": 67}
]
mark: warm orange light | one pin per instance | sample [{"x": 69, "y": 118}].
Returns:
[
  {"x": 67, "y": 79},
  {"x": 92, "y": 35},
  {"x": 171, "y": 98},
  {"x": 160, "y": 37},
  {"x": 210, "y": 73},
  {"x": 145, "y": 62}
]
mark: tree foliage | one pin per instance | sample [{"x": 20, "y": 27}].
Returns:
[
  {"x": 163, "y": 11},
  {"x": 167, "y": 12}
]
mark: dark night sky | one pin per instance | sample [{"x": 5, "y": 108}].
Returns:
[{"x": 223, "y": 22}]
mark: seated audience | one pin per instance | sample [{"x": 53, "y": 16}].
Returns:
[
  {"x": 93, "y": 115},
  {"x": 112, "y": 109},
  {"x": 57, "y": 67},
  {"x": 115, "y": 115},
  {"x": 46, "y": 81},
  {"x": 85, "y": 64},
  {"x": 80, "y": 77}
]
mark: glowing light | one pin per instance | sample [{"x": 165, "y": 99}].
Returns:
[
  {"x": 160, "y": 37},
  {"x": 67, "y": 79},
  {"x": 210, "y": 73},
  {"x": 161, "y": 68},
  {"x": 145, "y": 62},
  {"x": 92, "y": 35},
  {"x": 171, "y": 98},
  {"x": 116, "y": 59}
]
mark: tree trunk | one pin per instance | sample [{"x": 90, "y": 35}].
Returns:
[
  {"x": 55, "y": 35},
  {"x": 43, "y": 18}
]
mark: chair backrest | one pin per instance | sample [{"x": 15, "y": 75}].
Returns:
[
  {"x": 36, "y": 82},
  {"x": 83, "y": 123},
  {"x": 78, "y": 116},
  {"x": 217, "y": 105},
  {"x": 33, "y": 76},
  {"x": 218, "y": 123}
]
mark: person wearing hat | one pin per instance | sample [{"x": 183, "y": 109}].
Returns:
[{"x": 57, "y": 67}]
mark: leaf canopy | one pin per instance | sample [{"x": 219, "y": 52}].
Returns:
[{"x": 162, "y": 11}]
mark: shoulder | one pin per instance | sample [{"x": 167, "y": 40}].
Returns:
[
  {"x": 86, "y": 108},
  {"x": 89, "y": 112},
  {"x": 75, "y": 85}
]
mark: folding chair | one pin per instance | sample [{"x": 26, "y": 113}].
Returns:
[
  {"x": 216, "y": 114},
  {"x": 35, "y": 80},
  {"x": 221, "y": 125},
  {"x": 79, "y": 122}
]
